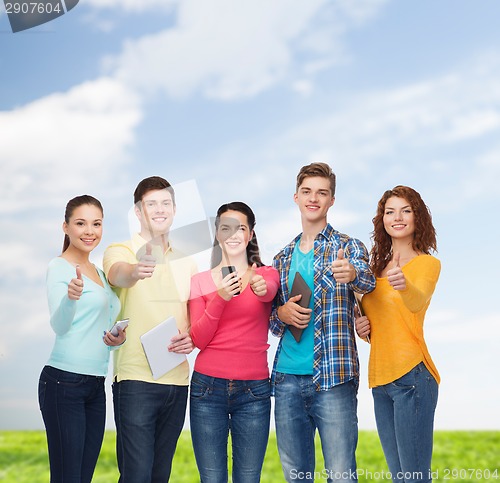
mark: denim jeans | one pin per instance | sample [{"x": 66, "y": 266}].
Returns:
[
  {"x": 299, "y": 410},
  {"x": 404, "y": 412},
  {"x": 73, "y": 408},
  {"x": 149, "y": 418},
  {"x": 219, "y": 406}
]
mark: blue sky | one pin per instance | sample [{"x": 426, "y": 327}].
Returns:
[{"x": 227, "y": 100}]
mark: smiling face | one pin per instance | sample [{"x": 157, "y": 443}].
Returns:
[
  {"x": 399, "y": 218},
  {"x": 234, "y": 233},
  {"x": 84, "y": 228},
  {"x": 314, "y": 199},
  {"x": 155, "y": 213}
]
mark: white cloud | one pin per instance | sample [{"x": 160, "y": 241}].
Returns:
[
  {"x": 424, "y": 122},
  {"x": 76, "y": 137},
  {"x": 303, "y": 87},
  {"x": 52, "y": 149},
  {"x": 228, "y": 50},
  {"x": 453, "y": 327},
  {"x": 21, "y": 258},
  {"x": 474, "y": 123}
]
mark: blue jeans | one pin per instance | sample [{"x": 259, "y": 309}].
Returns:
[
  {"x": 404, "y": 411},
  {"x": 299, "y": 410},
  {"x": 73, "y": 408},
  {"x": 149, "y": 418},
  {"x": 218, "y": 406}
]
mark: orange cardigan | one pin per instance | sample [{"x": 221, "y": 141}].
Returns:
[{"x": 397, "y": 322}]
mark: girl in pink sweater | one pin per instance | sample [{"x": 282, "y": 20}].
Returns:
[{"x": 229, "y": 310}]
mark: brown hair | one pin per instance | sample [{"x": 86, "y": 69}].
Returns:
[
  {"x": 424, "y": 239},
  {"x": 72, "y": 205},
  {"x": 153, "y": 183},
  {"x": 317, "y": 169},
  {"x": 253, "y": 253}
]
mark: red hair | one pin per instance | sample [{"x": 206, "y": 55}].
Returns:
[{"x": 424, "y": 239}]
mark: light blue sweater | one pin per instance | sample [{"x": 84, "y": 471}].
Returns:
[{"x": 79, "y": 324}]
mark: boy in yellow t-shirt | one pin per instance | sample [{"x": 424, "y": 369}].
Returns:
[{"x": 152, "y": 280}]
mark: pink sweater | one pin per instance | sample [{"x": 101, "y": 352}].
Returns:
[{"x": 231, "y": 335}]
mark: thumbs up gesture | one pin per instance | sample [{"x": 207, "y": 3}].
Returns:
[
  {"x": 395, "y": 275},
  {"x": 257, "y": 282},
  {"x": 343, "y": 271},
  {"x": 146, "y": 265},
  {"x": 75, "y": 287}
]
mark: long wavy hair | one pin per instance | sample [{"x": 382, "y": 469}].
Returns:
[
  {"x": 253, "y": 253},
  {"x": 72, "y": 205},
  {"x": 424, "y": 239}
]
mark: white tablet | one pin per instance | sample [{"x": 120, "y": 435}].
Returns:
[{"x": 155, "y": 343}]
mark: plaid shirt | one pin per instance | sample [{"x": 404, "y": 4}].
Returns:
[{"x": 335, "y": 353}]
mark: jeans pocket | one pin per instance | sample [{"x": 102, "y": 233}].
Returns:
[
  {"x": 74, "y": 380},
  {"x": 198, "y": 390},
  {"x": 42, "y": 389},
  {"x": 406, "y": 382},
  {"x": 64, "y": 378},
  {"x": 279, "y": 378},
  {"x": 260, "y": 390}
]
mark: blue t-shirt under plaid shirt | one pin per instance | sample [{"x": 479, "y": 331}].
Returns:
[
  {"x": 335, "y": 353},
  {"x": 298, "y": 357}
]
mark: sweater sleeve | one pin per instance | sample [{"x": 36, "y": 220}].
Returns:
[
  {"x": 420, "y": 284},
  {"x": 205, "y": 311},
  {"x": 62, "y": 310},
  {"x": 272, "y": 278}
]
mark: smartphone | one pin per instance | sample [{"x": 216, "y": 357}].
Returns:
[
  {"x": 226, "y": 271},
  {"x": 123, "y": 324}
]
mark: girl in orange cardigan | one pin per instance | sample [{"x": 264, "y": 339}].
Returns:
[{"x": 402, "y": 375}]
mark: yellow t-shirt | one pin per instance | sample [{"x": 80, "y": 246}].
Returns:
[
  {"x": 148, "y": 303},
  {"x": 397, "y": 322}
]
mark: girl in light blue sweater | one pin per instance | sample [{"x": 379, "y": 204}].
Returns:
[{"x": 82, "y": 308}]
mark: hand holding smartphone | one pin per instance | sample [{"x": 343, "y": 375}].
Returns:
[
  {"x": 123, "y": 324},
  {"x": 226, "y": 271}
]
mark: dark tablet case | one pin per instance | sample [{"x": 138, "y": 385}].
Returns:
[{"x": 300, "y": 286}]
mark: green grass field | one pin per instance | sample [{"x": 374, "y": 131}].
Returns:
[{"x": 465, "y": 456}]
